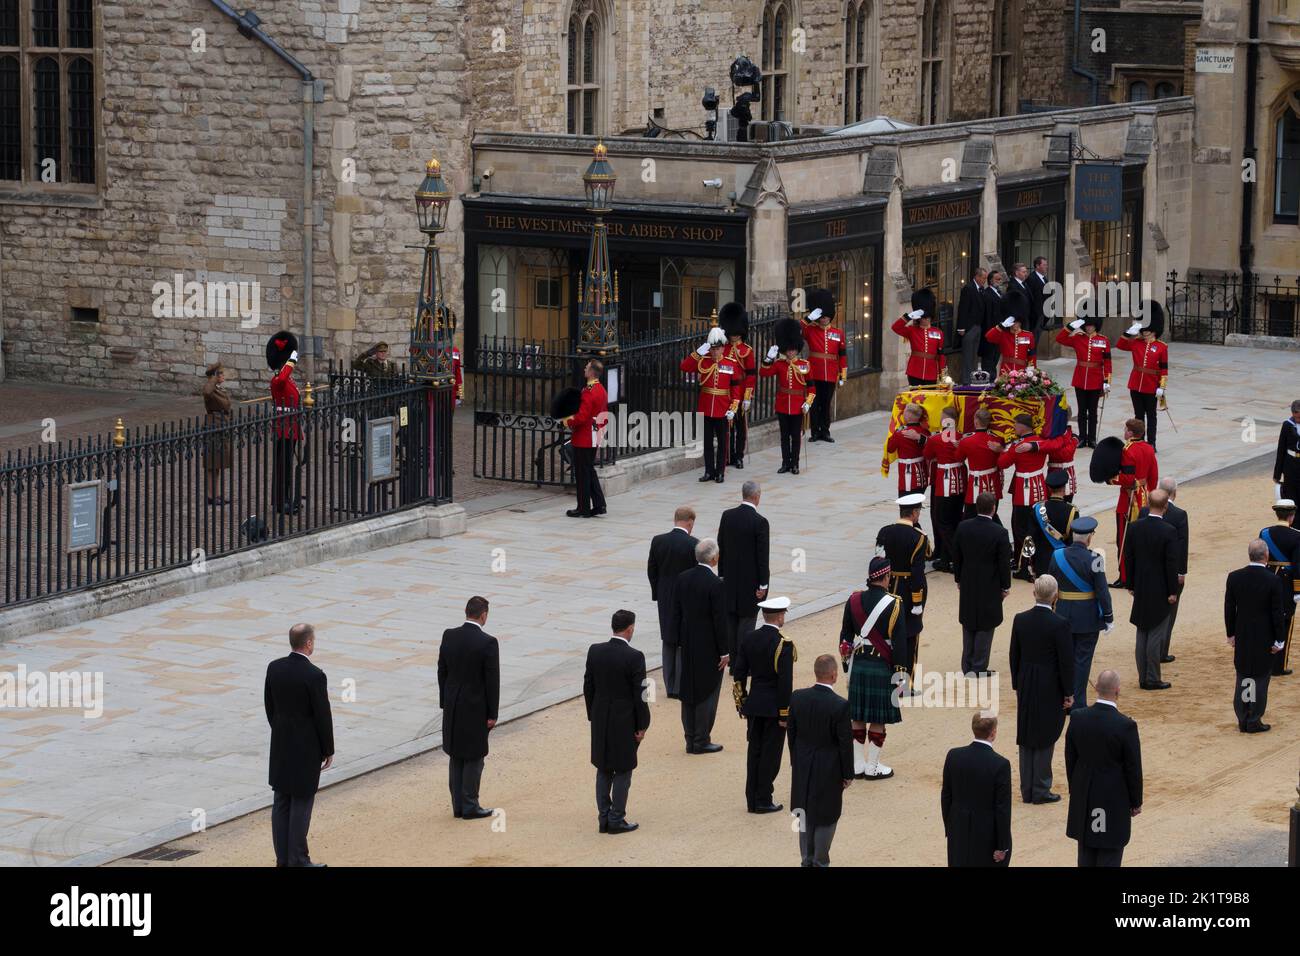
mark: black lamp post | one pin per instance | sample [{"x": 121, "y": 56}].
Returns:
[
  {"x": 432, "y": 331},
  {"x": 598, "y": 289}
]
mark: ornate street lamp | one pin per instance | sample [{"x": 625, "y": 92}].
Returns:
[
  {"x": 598, "y": 290},
  {"x": 432, "y": 330}
]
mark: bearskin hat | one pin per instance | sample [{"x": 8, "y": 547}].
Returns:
[
  {"x": 278, "y": 349},
  {"x": 789, "y": 335},
  {"x": 1105, "y": 460},
  {"x": 733, "y": 319},
  {"x": 566, "y": 402},
  {"x": 1156, "y": 313},
  {"x": 824, "y": 300},
  {"x": 924, "y": 300}
]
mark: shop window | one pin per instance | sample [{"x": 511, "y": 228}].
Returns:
[
  {"x": 1286, "y": 162},
  {"x": 775, "y": 64},
  {"x": 859, "y": 61},
  {"x": 941, "y": 261},
  {"x": 1006, "y": 41},
  {"x": 47, "y": 92},
  {"x": 850, "y": 276},
  {"x": 697, "y": 285},
  {"x": 584, "y": 69},
  {"x": 524, "y": 293},
  {"x": 1111, "y": 246},
  {"x": 1027, "y": 239},
  {"x": 934, "y": 62}
]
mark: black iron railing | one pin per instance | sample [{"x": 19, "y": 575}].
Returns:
[
  {"x": 109, "y": 508},
  {"x": 1207, "y": 307}
]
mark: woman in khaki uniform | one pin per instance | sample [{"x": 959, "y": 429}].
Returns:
[{"x": 218, "y": 452}]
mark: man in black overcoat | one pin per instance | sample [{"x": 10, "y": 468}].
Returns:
[
  {"x": 743, "y": 563},
  {"x": 1151, "y": 556},
  {"x": 981, "y": 566},
  {"x": 700, "y": 623},
  {"x": 972, "y": 321},
  {"x": 297, "y": 702},
  {"x": 1103, "y": 763},
  {"x": 671, "y": 553},
  {"x": 613, "y": 688},
  {"x": 1177, "y": 517},
  {"x": 995, "y": 302},
  {"x": 976, "y": 800},
  {"x": 1042, "y": 675},
  {"x": 469, "y": 690},
  {"x": 1255, "y": 620},
  {"x": 764, "y": 679},
  {"x": 821, "y": 760}
]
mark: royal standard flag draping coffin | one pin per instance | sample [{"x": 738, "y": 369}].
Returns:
[{"x": 1051, "y": 412}]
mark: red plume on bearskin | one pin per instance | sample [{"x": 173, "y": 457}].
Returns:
[
  {"x": 788, "y": 334},
  {"x": 824, "y": 300},
  {"x": 278, "y": 349},
  {"x": 1105, "y": 460},
  {"x": 733, "y": 319},
  {"x": 566, "y": 403}
]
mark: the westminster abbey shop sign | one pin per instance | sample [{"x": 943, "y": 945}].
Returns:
[
  {"x": 824, "y": 227},
  {"x": 1098, "y": 192}
]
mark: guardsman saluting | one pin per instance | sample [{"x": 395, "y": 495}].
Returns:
[
  {"x": 282, "y": 359},
  {"x": 1283, "y": 540},
  {"x": 795, "y": 391},
  {"x": 1092, "y": 370},
  {"x": 926, "y": 362},
  {"x": 907, "y": 548},
  {"x": 734, "y": 320},
  {"x": 765, "y": 662},
  {"x": 1017, "y": 347},
  {"x": 828, "y": 357},
  {"x": 720, "y": 389},
  {"x": 1150, "y": 375}
]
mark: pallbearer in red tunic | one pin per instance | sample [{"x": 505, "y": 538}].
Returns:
[
  {"x": 947, "y": 485},
  {"x": 1027, "y": 454},
  {"x": 1150, "y": 375},
  {"x": 1063, "y": 460},
  {"x": 721, "y": 383},
  {"x": 926, "y": 362},
  {"x": 907, "y": 441},
  {"x": 1092, "y": 370},
  {"x": 734, "y": 320},
  {"x": 1139, "y": 472},
  {"x": 794, "y": 389},
  {"x": 827, "y": 357},
  {"x": 1016, "y": 346},
  {"x": 282, "y": 358},
  {"x": 980, "y": 451}
]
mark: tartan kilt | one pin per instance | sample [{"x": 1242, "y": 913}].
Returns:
[{"x": 871, "y": 691}]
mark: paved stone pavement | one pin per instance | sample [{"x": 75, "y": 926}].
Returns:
[{"x": 183, "y": 730}]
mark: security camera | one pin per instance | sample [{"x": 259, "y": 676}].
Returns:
[{"x": 713, "y": 183}]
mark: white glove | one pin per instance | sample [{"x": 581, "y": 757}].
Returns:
[
  {"x": 814, "y": 315},
  {"x": 917, "y": 609},
  {"x": 745, "y": 405},
  {"x": 1105, "y": 386},
  {"x": 1109, "y": 627},
  {"x": 772, "y": 353},
  {"x": 841, "y": 382},
  {"x": 293, "y": 356},
  {"x": 1008, "y": 322},
  {"x": 1159, "y": 392},
  {"x": 1134, "y": 329},
  {"x": 1277, "y": 491},
  {"x": 703, "y": 349},
  {"x": 806, "y": 407},
  {"x": 916, "y": 314},
  {"x": 730, "y": 414},
  {"x": 459, "y": 403},
  {"x": 1297, "y": 599}
]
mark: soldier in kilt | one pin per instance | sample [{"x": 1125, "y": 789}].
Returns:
[{"x": 874, "y": 649}]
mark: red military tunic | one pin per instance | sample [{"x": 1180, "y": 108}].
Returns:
[
  {"x": 927, "y": 360},
  {"x": 1029, "y": 486},
  {"x": 947, "y": 469},
  {"x": 743, "y": 356},
  {"x": 588, "y": 423},
  {"x": 720, "y": 383},
  {"x": 1150, "y": 364},
  {"x": 982, "y": 471},
  {"x": 284, "y": 398},
  {"x": 1139, "y": 472},
  {"x": 1018, "y": 350},
  {"x": 793, "y": 387},
  {"x": 1092, "y": 353},
  {"x": 1062, "y": 459},
  {"x": 827, "y": 356},
  {"x": 913, "y": 472},
  {"x": 460, "y": 379}
]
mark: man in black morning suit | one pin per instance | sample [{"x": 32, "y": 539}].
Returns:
[
  {"x": 1256, "y": 623},
  {"x": 972, "y": 321},
  {"x": 821, "y": 761},
  {"x": 700, "y": 623},
  {"x": 297, "y": 702},
  {"x": 1151, "y": 555},
  {"x": 1177, "y": 517},
  {"x": 976, "y": 800},
  {"x": 742, "y": 563},
  {"x": 764, "y": 678},
  {"x": 614, "y": 690},
  {"x": 995, "y": 302},
  {"x": 671, "y": 553},
  {"x": 469, "y": 689},
  {"x": 1042, "y": 676},
  {"x": 981, "y": 566},
  {"x": 1103, "y": 763}
]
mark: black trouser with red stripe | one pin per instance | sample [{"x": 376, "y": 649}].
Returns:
[
  {"x": 820, "y": 417},
  {"x": 1144, "y": 407},
  {"x": 1088, "y": 400},
  {"x": 791, "y": 427},
  {"x": 715, "y": 446},
  {"x": 739, "y": 437}
]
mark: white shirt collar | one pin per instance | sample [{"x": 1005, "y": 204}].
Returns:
[
  {"x": 1048, "y": 606},
  {"x": 827, "y": 686},
  {"x": 751, "y": 504},
  {"x": 986, "y": 743},
  {"x": 301, "y": 654},
  {"x": 1259, "y": 564},
  {"x": 475, "y": 623},
  {"x": 620, "y": 637},
  {"x": 1108, "y": 703},
  {"x": 709, "y": 566},
  {"x": 678, "y": 527},
  {"x": 1152, "y": 514}
]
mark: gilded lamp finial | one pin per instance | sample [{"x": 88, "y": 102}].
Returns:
[
  {"x": 713, "y": 317},
  {"x": 433, "y": 167},
  {"x": 308, "y": 399},
  {"x": 119, "y": 434},
  {"x": 599, "y": 150}
]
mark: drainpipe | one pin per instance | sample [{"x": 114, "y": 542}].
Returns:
[
  {"x": 1247, "y": 248},
  {"x": 248, "y": 23},
  {"x": 1074, "y": 57}
]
